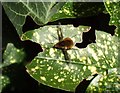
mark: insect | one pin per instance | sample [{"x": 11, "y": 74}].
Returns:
[{"x": 65, "y": 43}]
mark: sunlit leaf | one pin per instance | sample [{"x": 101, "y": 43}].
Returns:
[
  {"x": 12, "y": 55},
  {"x": 47, "y": 35},
  {"x": 41, "y": 12},
  {"x": 50, "y": 68},
  {"x": 55, "y": 72},
  {"x": 114, "y": 10},
  {"x": 110, "y": 83},
  {"x": 65, "y": 12},
  {"x": 105, "y": 83}
]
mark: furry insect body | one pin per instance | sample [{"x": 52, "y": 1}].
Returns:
[{"x": 66, "y": 43}]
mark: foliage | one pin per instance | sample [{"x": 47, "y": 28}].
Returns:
[
  {"x": 49, "y": 66},
  {"x": 113, "y": 9},
  {"x": 94, "y": 58},
  {"x": 41, "y": 12},
  {"x": 15, "y": 55}
]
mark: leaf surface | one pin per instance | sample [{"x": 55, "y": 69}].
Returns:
[
  {"x": 50, "y": 68},
  {"x": 41, "y": 12}
]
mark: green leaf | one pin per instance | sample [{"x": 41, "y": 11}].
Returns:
[
  {"x": 65, "y": 12},
  {"x": 113, "y": 9},
  {"x": 86, "y": 9},
  {"x": 105, "y": 83},
  {"x": 50, "y": 68},
  {"x": 75, "y": 9},
  {"x": 47, "y": 35},
  {"x": 41, "y": 12},
  {"x": 12, "y": 55},
  {"x": 4, "y": 80},
  {"x": 56, "y": 72}
]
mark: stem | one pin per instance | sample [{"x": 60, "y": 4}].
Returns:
[
  {"x": 60, "y": 37},
  {"x": 66, "y": 55}
]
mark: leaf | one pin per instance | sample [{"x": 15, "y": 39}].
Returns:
[
  {"x": 4, "y": 80},
  {"x": 57, "y": 73},
  {"x": 65, "y": 12},
  {"x": 41, "y": 12},
  {"x": 75, "y": 9},
  {"x": 50, "y": 68},
  {"x": 110, "y": 83},
  {"x": 81, "y": 88},
  {"x": 106, "y": 83},
  {"x": 85, "y": 9},
  {"x": 47, "y": 35},
  {"x": 113, "y": 9},
  {"x": 12, "y": 55}
]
